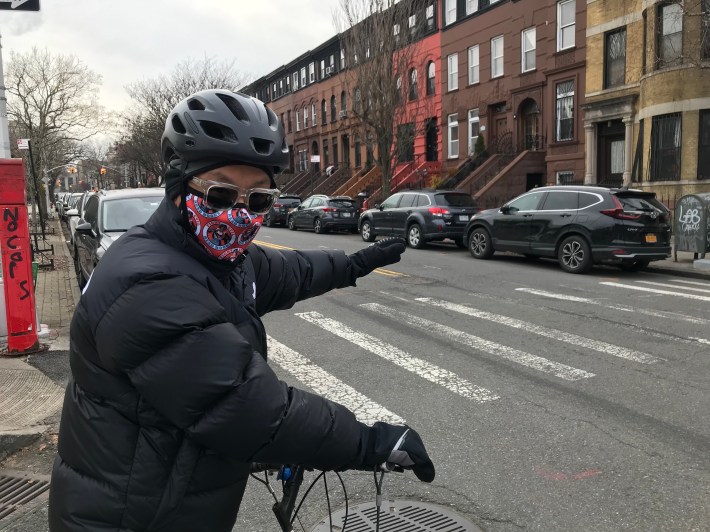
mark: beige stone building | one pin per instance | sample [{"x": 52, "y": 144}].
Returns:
[{"x": 647, "y": 110}]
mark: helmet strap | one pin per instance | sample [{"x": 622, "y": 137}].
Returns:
[{"x": 183, "y": 196}]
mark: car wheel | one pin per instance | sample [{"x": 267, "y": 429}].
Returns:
[
  {"x": 318, "y": 226},
  {"x": 268, "y": 220},
  {"x": 366, "y": 232},
  {"x": 414, "y": 236},
  {"x": 291, "y": 223},
  {"x": 459, "y": 242},
  {"x": 479, "y": 244},
  {"x": 574, "y": 255},
  {"x": 635, "y": 266}
]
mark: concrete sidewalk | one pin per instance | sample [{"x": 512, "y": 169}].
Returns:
[{"x": 30, "y": 402}]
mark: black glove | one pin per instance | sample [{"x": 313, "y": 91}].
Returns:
[
  {"x": 392, "y": 446},
  {"x": 376, "y": 255}
]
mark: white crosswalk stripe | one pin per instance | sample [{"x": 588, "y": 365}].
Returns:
[
  {"x": 696, "y": 297},
  {"x": 667, "y": 285},
  {"x": 538, "y": 363},
  {"x": 329, "y": 386},
  {"x": 556, "y": 334},
  {"x": 622, "y": 308},
  {"x": 696, "y": 283},
  {"x": 418, "y": 366}
]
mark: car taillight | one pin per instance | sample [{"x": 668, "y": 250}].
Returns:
[
  {"x": 619, "y": 212},
  {"x": 277, "y": 205},
  {"x": 329, "y": 209},
  {"x": 438, "y": 211}
]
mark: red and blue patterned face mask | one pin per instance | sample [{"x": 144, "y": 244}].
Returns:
[{"x": 223, "y": 234}]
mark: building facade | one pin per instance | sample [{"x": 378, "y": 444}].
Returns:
[
  {"x": 647, "y": 110},
  {"x": 513, "y": 72}
]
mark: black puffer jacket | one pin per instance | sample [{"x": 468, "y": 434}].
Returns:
[{"x": 171, "y": 397}]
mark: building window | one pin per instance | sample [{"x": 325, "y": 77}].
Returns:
[
  {"x": 615, "y": 58},
  {"x": 474, "y": 128},
  {"x": 704, "y": 145},
  {"x": 665, "y": 147},
  {"x": 395, "y": 30},
  {"x": 311, "y": 73},
  {"x": 323, "y": 113},
  {"x": 566, "y": 17},
  {"x": 413, "y": 88},
  {"x": 669, "y": 42},
  {"x": 342, "y": 59},
  {"x": 453, "y": 62},
  {"x": 471, "y": 6},
  {"x": 473, "y": 65},
  {"x": 412, "y": 22},
  {"x": 290, "y": 126},
  {"x": 305, "y": 116},
  {"x": 314, "y": 116},
  {"x": 565, "y": 111},
  {"x": 453, "y": 122},
  {"x": 405, "y": 143},
  {"x": 564, "y": 178},
  {"x": 529, "y": 46},
  {"x": 343, "y": 102},
  {"x": 705, "y": 30},
  {"x": 450, "y": 6},
  {"x": 497, "y": 57},
  {"x": 431, "y": 78},
  {"x": 333, "y": 110},
  {"x": 322, "y": 68},
  {"x": 298, "y": 120},
  {"x": 303, "y": 77},
  {"x": 430, "y": 17}
]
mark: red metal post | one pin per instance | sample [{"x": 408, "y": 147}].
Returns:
[{"x": 15, "y": 251}]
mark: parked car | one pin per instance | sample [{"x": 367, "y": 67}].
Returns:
[
  {"x": 70, "y": 202},
  {"x": 578, "y": 225},
  {"x": 74, "y": 215},
  {"x": 420, "y": 216},
  {"x": 107, "y": 215},
  {"x": 280, "y": 209},
  {"x": 324, "y": 213}
]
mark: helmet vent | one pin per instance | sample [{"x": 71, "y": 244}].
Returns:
[
  {"x": 235, "y": 107},
  {"x": 195, "y": 105},
  {"x": 178, "y": 125},
  {"x": 273, "y": 121},
  {"x": 218, "y": 131},
  {"x": 262, "y": 146}
]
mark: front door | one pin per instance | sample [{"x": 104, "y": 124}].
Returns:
[
  {"x": 346, "y": 151},
  {"x": 611, "y": 154},
  {"x": 512, "y": 226},
  {"x": 432, "y": 140},
  {"x": 556, "y": 213},
  {"x": 382, "y": 219}
]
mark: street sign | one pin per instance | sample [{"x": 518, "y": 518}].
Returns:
[
  {"x": 20, "y": 5},
  {"x": 22, "y": 144}
]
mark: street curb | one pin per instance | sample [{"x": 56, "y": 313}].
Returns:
[
  {"x": 692, "y": 274},
  {"x": 12, "y": 441}
]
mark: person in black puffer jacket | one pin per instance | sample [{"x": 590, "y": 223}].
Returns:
[{"x": 171, "y": 398}]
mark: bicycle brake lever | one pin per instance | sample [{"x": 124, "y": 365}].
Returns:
[{"x": 389, "y": 467}]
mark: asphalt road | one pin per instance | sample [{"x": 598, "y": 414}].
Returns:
[{"x": 548, "y": 401}]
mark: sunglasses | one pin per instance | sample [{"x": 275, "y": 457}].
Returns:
[{"x": 224, "y": 196}]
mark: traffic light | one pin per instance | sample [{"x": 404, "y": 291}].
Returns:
[
  {"x": 102, "y": 171},
  {"x": 72, "y": 169}
]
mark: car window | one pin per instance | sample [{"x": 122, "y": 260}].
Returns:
[
  {"x": 455, "y": 200},
  {"x": 640, "y": 203},
  {"x": 318, "y": 202},
  {"x": 423, "y": 200},
  {"x": 560, "y": 200},
  {"x": 122, "y": 214},
  {"x": 91, "y": 213},
  {"x": 342, "y": 203},
  {"x": 289, "y": 202},
  {"x": 407, "y": 200},
  {"x": 528, "y": 202},
  {"x": 307, "y": 204},
  {"x": 391, "y": 202},
  {"x": 587, "y": 200}
]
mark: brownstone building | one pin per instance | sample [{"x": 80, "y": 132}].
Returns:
[{"x": 513, "y": 72}]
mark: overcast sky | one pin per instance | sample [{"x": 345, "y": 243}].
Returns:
[{"x": 128, "y": 40}]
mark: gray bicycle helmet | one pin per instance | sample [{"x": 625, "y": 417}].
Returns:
[{"x": 213, "y": 128}]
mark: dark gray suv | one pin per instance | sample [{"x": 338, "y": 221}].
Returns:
[
  {"x": 577, "y": 225},
  {"x": 420, "y": 216}
]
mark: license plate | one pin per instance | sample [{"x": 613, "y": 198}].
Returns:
[
  {"x": 463, "y": 217},
  {"x": 651, "y": 239},
  {"x": 346, "y": 214}
]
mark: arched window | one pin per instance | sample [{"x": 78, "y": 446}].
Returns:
[
  {"x": 323, "y": 113},
  {"x": 305, "y": 116},
  {"x": 344, "y": 101},
  {"x": 333, "y": 110},
  {"x": 430, "y": 78},
  {"x": 298, "y": 119},
  {"x": 358, "y": 101},
  {"x": 413, "y": 89},
  {"x": 398, "y": 95}
]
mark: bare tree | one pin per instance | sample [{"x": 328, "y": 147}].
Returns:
[
  {"x": 382, "y": 44},
  {"x": 52, "y": 101},
  {"x": 682, "y": 31},
  {"x": 143, "y": 122}
]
